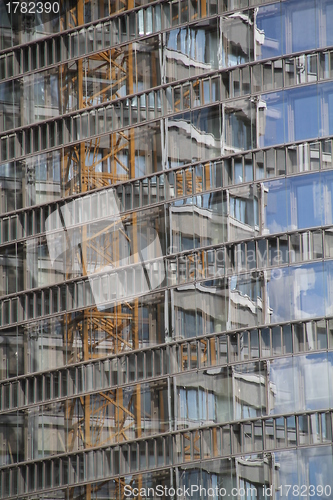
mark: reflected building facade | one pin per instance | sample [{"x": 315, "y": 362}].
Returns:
[{"x": 166, "y": 250}]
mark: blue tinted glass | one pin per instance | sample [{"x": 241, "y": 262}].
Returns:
[
  {"x": 330, "y": 113},
  {"x": 315, "y": 372},
  {"x": 315, "y": 468},
  {"x": 202, "y": 405},
  {"x": 304, "y": 104},
  {"x": 192, "y": 404},
  {"x": 328, "y": 273},
  {"x": 296, "y": 292},
  {"x": 211, "y": 407},
  {"x": 182, "y": 403},
  {"x": 270, "y": 29},
  {"x": 288, "y": 473},
  {"x": 327, "y": 91},
  {"x": 272, "y": 125},
  {"x": 200, "y": 41},
  {"x": 301, "y": 383},
  {"x": 294, "y": 114},
  {"x": 299, "y": 202},
  {"x": 279, "y": 289},
  {"x": 327, "y": 38},
  {"x": 172, "y": 39},
  {"x": 307, "y": 291},
  {"x": 330, "y": 371},
  {"x": 276, "y": 215},
  {"x": 284, "y": 378},
  {"x": 307, "y": 193},
  {"x": 303, "y": 25},
  {"x": 292, "y": 26},
  {"x": 326, "y": 201},
  {"x": 306, "y": 206},
  {"x": 238, "y": 171}
]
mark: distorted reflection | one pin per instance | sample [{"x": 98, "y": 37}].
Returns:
[
  {"x": 193, "y": 136},
  {"x": 306, "y": 466},
  {"x": 191, "y": 51},
  {"x": 301, "y": 383},
  {"x": 298, "y": 202},
  {"x": 279, "y": 27},
  {"x": 297, "y": 292},
  {"x": 293, "y": 115}
]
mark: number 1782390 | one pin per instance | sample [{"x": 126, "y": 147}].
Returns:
[{"x": 32, "y": 7}]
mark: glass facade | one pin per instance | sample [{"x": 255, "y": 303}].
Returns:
[{"x": 166, "y": 249}]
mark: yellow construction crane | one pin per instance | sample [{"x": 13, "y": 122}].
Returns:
[
  {"x": 86, "y": 163},
  {"x": 96, "y": 163}
]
